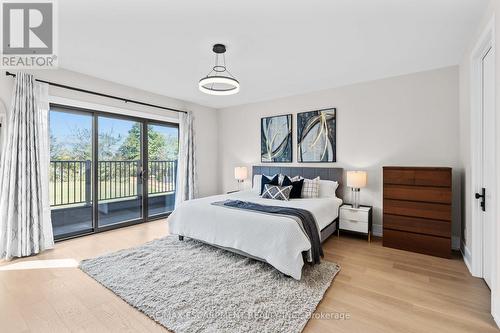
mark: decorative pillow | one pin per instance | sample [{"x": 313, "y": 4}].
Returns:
[
  {"x": 257, "y": 181},
  {"x": 296, "y": 187},
  {"x": 310, "y": 189},
  {"x": 327, "y": 188},
  {"x": 266, "y": 180},
  {"x": 277, "y": 192}
]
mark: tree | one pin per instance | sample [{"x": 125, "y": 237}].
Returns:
[
  {"x": 172, "y": 147},
  {"x": 76, "y": 147},
  {"x": 81, "y": 144},
  {"x": 160, "y": 147},
  {"x": 108, "y": 149},
  {"x": 56, "y": 148},
  {"x": 130, "y": 149}
]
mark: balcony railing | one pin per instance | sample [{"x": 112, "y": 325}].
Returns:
[{"x": 71, "y": 181}]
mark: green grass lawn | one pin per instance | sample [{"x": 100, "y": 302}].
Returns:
[{"x": 66, "y": 193}]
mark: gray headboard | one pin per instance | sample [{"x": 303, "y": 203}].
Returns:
[{"x": 306, "y": 172}]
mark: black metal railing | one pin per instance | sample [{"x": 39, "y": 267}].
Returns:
[
  {"x": 118, "y": 179},
  {"x": 161, "y": 176},
  {"x": 71, "y": 181}
]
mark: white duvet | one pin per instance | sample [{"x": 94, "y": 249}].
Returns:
[{"x": 278, "y": 240}]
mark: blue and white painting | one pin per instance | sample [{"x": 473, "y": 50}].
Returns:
[
  {"x": 276, "y": 139},
  {"x": 316, "y": 136}
]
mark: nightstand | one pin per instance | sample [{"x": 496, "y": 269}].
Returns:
[{"x": 358, "y": 220}]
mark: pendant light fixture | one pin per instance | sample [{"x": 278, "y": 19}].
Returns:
[{"x": 219, "y": 81}]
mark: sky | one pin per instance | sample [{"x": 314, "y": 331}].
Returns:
[{"x": 63, "y": 123}]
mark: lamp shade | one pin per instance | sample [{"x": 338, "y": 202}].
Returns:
[
  {"x": 240, "y": 173},
  {"x": 356, "y": 179}
]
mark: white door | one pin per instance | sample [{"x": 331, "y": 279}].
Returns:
[{"x": 488, "y": 160}]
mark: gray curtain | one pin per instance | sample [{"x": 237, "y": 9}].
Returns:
[
  {"x": 186, "y": 164},
  {"x": 25, "y": 224}
]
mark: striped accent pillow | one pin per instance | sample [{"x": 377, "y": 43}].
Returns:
[
  {"x": 277, "y": 192},
  {"x": 310, "y": 189}
]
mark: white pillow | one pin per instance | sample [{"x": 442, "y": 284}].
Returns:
[
  {"x": 327, "y": 188},
  {"x": 257, "y": 180},
  {"x": 310, "y": 189},
  {"x": 281, "y": 178}
]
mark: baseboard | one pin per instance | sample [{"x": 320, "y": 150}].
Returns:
[
  {"x": 377, "y": 230},
  {"x": 467, "y": 256},
  {"x": 496, "y": 318}
]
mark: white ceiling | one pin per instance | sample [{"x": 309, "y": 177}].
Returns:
[{"x": 275, "y": 48}]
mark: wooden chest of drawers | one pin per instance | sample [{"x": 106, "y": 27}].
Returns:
[{"x": 417, "y": 209}]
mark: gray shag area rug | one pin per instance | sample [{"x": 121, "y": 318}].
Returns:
[{"x": 188, "y": 286}]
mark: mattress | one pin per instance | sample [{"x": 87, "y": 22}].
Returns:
[{"x": 276, "y": 239}]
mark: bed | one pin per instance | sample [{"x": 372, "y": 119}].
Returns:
[{"x": 275, "y": 239}]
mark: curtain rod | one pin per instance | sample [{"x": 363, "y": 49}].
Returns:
[{"x": 126, "y": 100}]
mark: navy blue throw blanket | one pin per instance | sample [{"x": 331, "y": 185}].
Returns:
[{"x": 305, "y": 216}]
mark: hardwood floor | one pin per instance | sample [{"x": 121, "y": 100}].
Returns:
[{"x": 381, "y": 290}]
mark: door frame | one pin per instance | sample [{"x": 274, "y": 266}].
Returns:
[{"x": 485, "y": 43}]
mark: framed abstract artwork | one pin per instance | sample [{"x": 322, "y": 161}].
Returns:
[
  {"x": 316, "y": 136},
  {"x": 276, "y": 139}
]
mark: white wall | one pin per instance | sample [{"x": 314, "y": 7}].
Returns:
[
  {"x": 205, "y": 120},
  {"x": 405, "y": 120}
]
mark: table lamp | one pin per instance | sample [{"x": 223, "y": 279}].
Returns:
[
  {"x": 240, "y": 174},
  {"x": 356, "y": 180}
]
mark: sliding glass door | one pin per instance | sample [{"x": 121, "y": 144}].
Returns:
[
  {"x": 70, "y": 172},
  {"x": 162, "y": 150},
  {"x": 119, "y": 170},
  {"x": 128, "y": 164}
]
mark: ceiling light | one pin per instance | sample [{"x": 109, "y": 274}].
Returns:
[{"x": 219, "y": 81}]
